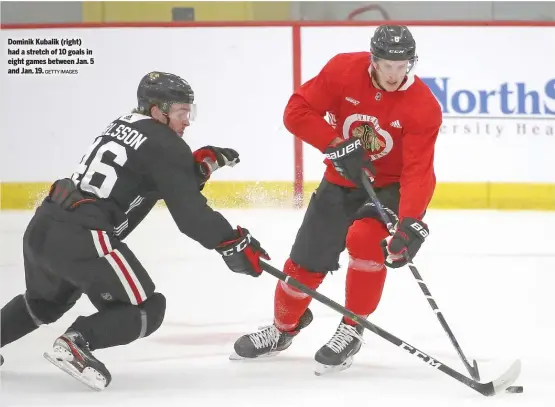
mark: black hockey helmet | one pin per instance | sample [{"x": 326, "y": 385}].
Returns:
[
  {"x": 162, "y": 89},
  {"x": 393, "y": 43}
]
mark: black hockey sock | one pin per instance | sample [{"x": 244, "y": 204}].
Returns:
[
  {"x": 122, "y": 323},
  {"x": 15, "y": 321}
]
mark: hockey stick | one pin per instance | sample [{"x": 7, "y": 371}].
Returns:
[
  {"x": 473, "y": 370},
  {"x": 487, "y": 389}
]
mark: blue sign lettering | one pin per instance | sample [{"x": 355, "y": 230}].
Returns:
[{"x": 508, "y": 98}]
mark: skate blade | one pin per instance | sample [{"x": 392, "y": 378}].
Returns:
[
  {"x": 235, "y": 356},
  {"x": 90, "y": 377},
  {"x": 322, "y": 370}
]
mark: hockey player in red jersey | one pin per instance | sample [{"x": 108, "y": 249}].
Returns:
[{"x": 382, "y": 119}]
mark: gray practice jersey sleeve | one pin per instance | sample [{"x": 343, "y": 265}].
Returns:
[{"x": 171, "y": 166}]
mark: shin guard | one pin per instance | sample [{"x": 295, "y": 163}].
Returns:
[
  {"x": 366, "y": 273},
  {"x": 290, "y": 303}
]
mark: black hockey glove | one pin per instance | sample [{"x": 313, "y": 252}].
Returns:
[
  {"x": 408, "y": 238},
  {"x": 210, "y": 158},
  {"x": 242, "y": 254},
  {"x": 349, "y": 158}
]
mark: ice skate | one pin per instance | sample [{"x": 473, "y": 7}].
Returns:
[
  {"x": 268, "y": 341},
  {"x": 71, "y": 353},
  {"x": 1, "y": 360},
  {"x": 337, "y": 354}
]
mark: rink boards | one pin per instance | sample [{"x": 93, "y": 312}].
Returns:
[{"x": 495, "y": 147}]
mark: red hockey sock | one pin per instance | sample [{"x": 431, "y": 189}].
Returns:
[
  {"x": 366, "y": 273},
  {"x": 290, "y": 303}
]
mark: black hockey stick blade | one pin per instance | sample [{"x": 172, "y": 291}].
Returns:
[
  {"x": 474, "y": 370},
  {"x": 487, "y": 389}
]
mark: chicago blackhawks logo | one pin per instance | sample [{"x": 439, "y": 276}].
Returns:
[
  {"x": 377, "y": 141},
  {"x": 369, "y": 139}
]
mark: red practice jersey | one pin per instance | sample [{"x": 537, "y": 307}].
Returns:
[{"x": 398, "y": 129}]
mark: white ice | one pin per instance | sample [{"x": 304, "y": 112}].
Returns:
[{"x": 492, "y": 274}]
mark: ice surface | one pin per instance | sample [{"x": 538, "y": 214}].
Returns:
[{"x": 492, "y": 274}]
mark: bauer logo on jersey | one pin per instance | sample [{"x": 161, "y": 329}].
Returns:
[
  {"x": 368, "y": 137},
  {"x": 377, "y": 141}
]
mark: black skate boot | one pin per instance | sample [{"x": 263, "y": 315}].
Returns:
[
  {"x": 268, "y": 341},
  {"x": 1, "y": 360},
  {"x": 71, "y": 353},
  {"x": 337, "y": 354}
]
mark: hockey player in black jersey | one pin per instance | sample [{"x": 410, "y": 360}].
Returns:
[{"x": 74, "y": 245}]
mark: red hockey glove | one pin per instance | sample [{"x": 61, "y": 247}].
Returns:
[
  {"x": 210, "y": 158},
  {"x": 243, "y": 253},
  {"x": 408, "y": 238}
]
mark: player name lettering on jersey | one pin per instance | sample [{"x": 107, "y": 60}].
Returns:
[{"x": 128, "y": 135}]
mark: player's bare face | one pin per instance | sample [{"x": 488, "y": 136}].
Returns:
[
  {"x": 390, "y": 74},
  {"x": 180, "y": 117}
]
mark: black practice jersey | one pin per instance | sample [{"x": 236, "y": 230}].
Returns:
[{"x": 137, "y": 161}]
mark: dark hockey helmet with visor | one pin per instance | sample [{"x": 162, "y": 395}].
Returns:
[
  {"x": 394, "y": 43},
  {"x": 163, "y": 90}
]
